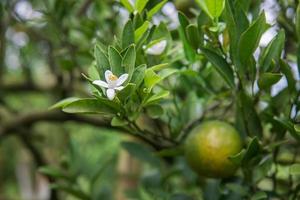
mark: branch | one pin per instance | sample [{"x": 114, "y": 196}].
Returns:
[{"x": 26, "y": 120}]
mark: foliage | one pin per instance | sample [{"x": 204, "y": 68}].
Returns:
[{"x": 212, "y": 65}]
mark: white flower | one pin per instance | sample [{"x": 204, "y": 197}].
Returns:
[
  {"x": 112, "y": 83},
  {"x": 157, "y": 48}
]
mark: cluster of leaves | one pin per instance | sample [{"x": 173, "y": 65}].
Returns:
[
  {"x": 128, "y": 55},
  {"x": 219, "y": 76}
]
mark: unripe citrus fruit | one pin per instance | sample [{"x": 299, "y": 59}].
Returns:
[{"x": 208, "y": 147}]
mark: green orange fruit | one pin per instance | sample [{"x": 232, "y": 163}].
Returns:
[{"x": 208, "y": 147}]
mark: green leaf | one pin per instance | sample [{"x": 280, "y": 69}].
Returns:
[
  {"x": 266, "y": 80},
  {"x": 249, "y": 116},
  {"x": 140, "y": 5},
  {"x": 183, "y": 20},
  {"x": 141, "y": 152},
  {"x": 124, "y": 94},
  {"x": 289, "y": 126},
  {"x": 141, "y": 30},
  {"x": 171, "y": 152},
  {"x": 55, "y": 173},
  {"x": 115, "y": 60},
  {"x": 70, "y": 190},
  {"x": 252, "y": 151},
  {"x": 245, "y": 4},
  {"x": 188, "y": 50},
  {"x": 127, "y": 5},
  {"x": 63, "y": 103},
  {"x": 215, "y": 7},
  {"x": 250, "y": 39},
  {"x": 160, "y": 66},
  {"x": 259, "y": 196},
  {"x": 298, "y": 21},
  {"x": 220, "y": 64},
  {"x": 154, "y": 111},
  {"x": 128, "y": 35},
  {"x": 295, "y": 169},
  {"x": 138, "y": 75},
  {"x": 202, "y": 4},
  {"x": 128, "y": 61},
  {"x": 96, "y": 89},
  {"x": 297, "y": 128},
  {"x": 272, "y": 52},
  {"x": 238, "y": 158},
  {"x": 165, "y": 73},
  {"x": 157, "y": 97},
  {"x": 101, "y": 60},
  {"x": 151, "y": 78},
  {"x": 236, "y": 22},
  {"x": 193, "y": 36},
  {"x": 155, "y": 9},
  {"x": 286, "y": 70},
  {"x": 91, "y": 106},
  {"x": 117, "y": 121}
]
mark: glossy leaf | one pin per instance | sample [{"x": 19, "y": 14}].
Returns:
[
  {"x": 272, "y": 52},
  {"x": 154, "y": 111},
  {"x": 91, "y": 106},
  {"x": 266, "y": 80},
  {"x": 55, "y": 173},
  {"x": 115, "y": 60},
  {"x": 138, "y": 75},
  {"x": 151, "y": 78},
  {"x": 126, "y": 93},
  {"x": 128, "y": 62},
  {"x": 298, "y": 21},
  {"x": 128, "y": 34},
  {"x": 160, "y": 66},
  {"x": 287, "y": 71},
  {"x": 250, "y": 38},
  {"x": 155, "y": 9},
  {"x": 188, "y": 50},
  {"x": 101, "y": 60},
  {"x": 140, "y": 5},
  {"x": 252, "y": 150},
  {"x": 64, "y": 102},
  {"x": 237, "y": 22},
  {"x": 220, "y": 64},
  {"x": 213, "y": 8},
  {"x": 238, "y": 158},
  {"x": 127, "y": 5},
  {"x": 156, "y": 97},
  {"x": 141, "y": 31},
  {"x": 193, "y": 36}
]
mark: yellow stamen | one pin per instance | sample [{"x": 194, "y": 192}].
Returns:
[{"x": 112, "y": 77}]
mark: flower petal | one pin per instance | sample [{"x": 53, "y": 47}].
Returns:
[
  {"x": 119, "y": 88},
  {"x": 157, "y": 48},
  {"x": 100, "y": 83},
  {"x": 122, "y": 79},
  {"x": 107, "y": 74},
  {"x": 110, "y": 94}
]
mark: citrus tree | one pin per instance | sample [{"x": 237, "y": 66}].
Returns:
[{"x": 206, "y": 92}]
